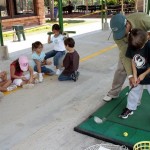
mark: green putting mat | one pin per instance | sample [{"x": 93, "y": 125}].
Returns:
[{"x": 137, "y": 126}]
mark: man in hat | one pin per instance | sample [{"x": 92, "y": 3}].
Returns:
[{"x": 121, "y": 27}]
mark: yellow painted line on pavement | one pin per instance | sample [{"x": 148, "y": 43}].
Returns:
[
  {"x": 7, "y": 93},
  {"x": 81, "y": 60},
  {"x": 98, "y": 53}
]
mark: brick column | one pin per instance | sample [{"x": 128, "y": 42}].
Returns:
[
  {"x": 40, "y": 9},
  {"x": 140, "y": 5}
]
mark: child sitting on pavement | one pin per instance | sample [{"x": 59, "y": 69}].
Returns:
[
  {"x": 139, "y": 51},
  {"x": 17, "y": 70},
  {"x": 39, "y": 62},
  {"x": 70, "y": 62},
  {"x": 5, "y": 84},
  {"x": 58, "y": 47}
]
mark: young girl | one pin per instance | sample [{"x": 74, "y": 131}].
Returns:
[
  {"x": 5, "y": 84},
  {"x": 17, "y": 69},
  {"x": 39, "y": 62},
  {"x": 70, "y": 62},
  {"x": 59, "y": 49},
  {"x": 139, "y": 51}
]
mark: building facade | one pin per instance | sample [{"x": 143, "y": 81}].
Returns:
[{"x": 25, "y": 12}]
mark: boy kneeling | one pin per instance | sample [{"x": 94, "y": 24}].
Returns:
[{"x": 70, "y": 62}]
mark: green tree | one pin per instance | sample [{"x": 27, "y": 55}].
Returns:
[
  {"x": 112, "y": 2},
  {"x": 47, "y": 2}
]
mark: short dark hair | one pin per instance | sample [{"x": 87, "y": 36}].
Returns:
[
  {"x": 137, "y": 38},
  {"x": 56, "y": 27},
  {"x": 36, "y": 45},
  {"x": 70, "y": 42}
]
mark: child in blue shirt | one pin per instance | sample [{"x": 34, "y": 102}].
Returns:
[{"x": 39, "y": 62}]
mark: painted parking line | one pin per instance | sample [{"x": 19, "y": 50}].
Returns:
[
  {"x": 81, "y": 60},
  {"x": 7, "y": 93},
  {"x": 98, "y": 53}
]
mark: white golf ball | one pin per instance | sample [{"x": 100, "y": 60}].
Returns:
[{"x": 97, "y": 120}]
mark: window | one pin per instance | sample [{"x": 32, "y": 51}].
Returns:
[
  {"x": 24, "y": 7},
  {"x": 4, "y": 8}
]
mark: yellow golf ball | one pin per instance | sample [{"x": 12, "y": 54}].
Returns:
[{"x": 125, "y": 134}]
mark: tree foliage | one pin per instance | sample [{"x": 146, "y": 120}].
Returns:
[{"x": 81, "y": 2}]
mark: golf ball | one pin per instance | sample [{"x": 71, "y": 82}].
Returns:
[
  {"x": 125, "y": 134},
  {"x": 97, "y": 119}
]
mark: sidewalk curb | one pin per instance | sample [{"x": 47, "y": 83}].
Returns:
[
  {"x": 31, "y": 29},
  {"x": 27, "y": 30}
]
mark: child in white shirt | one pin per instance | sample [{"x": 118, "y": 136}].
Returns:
[{"x": 59, "y": 50}]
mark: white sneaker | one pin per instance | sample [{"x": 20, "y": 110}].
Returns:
[
  {"x": 36, "y": 81},
  {"x": 107, "y": 98},
  {"x": 58, "y": 72},
  {"x": 40, "y": 77},
  {"x": 28, "y": 86},
  {"x": 11, "y": 87}
]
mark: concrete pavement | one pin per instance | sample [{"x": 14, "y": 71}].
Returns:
[{"x": 43, "y": 118}]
